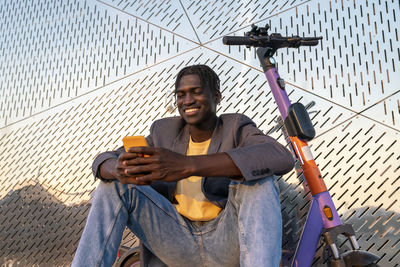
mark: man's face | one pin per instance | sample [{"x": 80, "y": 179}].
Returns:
[{"x": 196, "y": 105}]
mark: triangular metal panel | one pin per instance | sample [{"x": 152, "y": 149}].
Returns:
[
  {"x": 386, "y": 111},
  {"x": 168, "y": 15}
]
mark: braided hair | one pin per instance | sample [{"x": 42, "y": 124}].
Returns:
[{"x": 208, "y": 78}]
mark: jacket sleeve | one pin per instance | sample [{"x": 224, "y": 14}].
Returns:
[
  {"x": 256, "y": 154},
  {"x": 103, "y": 157}
]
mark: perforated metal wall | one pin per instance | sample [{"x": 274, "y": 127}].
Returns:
[{"x": 77, "y": 76}]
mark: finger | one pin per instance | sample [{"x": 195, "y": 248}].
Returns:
[
  {"x": 149, "y": 178},
  {"x": 139, "y": 161},
  {"x": 142, "y": 150},
  {"x": 140, "y": 169},
  {"x": 127, "y": 155},
  {"x": 123, "y": 164},
  {"x": 121, "y": 167}
]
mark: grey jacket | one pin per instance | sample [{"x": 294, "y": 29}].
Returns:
[{"x": 254, "y": 153}]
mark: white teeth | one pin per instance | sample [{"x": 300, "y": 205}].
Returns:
[{"x": 189, "y": 110}]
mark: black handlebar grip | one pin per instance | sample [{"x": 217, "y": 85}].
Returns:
[
  {"x": 308, "y": 42},
  {"x": 238, "y": 40}
]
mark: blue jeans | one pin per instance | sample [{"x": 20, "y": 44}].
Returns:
[{"x": 247, "y": 232}]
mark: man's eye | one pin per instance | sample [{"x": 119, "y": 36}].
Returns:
[
  {"x": 179, "y": 95},
  {"x": 198, "y": 92}
]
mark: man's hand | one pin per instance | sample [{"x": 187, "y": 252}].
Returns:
[
  {"x": 158, "y": 164},
  {"x": 118, "y": 169}
]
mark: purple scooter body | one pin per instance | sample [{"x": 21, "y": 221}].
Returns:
[{"x": 316, "y": 220}]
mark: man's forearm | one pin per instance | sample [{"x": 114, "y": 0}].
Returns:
[
  {"x": 214, "y": 165},
  {"x": 106, "y": 169}
]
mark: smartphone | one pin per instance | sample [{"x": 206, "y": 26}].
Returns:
[{"x": 131, "y": 141}]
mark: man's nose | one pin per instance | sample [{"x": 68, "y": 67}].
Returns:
[{"x": 188, "y": 99}]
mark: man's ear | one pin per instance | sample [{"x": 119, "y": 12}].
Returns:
[{"x": 218, "y": 97}]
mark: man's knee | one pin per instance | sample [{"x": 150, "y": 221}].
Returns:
[
  {"x": 107, "y": 189},
  {"x": 263, "y": 192},
  {"x": 268, "y": 183}
]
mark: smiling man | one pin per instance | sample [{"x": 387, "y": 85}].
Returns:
[{"x": 205, "y": 194}]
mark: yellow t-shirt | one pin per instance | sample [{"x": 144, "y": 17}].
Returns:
[{"x": 191, "y": 201}]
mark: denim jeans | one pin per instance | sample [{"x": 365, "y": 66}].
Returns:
[{"x": 247, "y": 232}]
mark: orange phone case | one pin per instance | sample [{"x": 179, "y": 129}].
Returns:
[{"x": 130, "y": 141}]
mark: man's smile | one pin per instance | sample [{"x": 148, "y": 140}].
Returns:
[{"x": 191, "y": 111}]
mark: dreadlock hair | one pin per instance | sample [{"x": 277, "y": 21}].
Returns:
[{"x": 208, "y": 78}]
